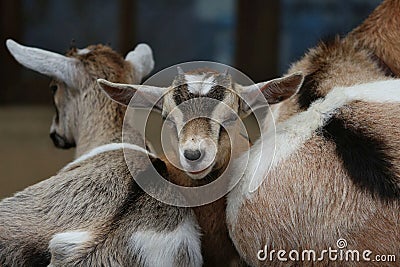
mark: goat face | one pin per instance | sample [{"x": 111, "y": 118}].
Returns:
[{"x": 201, "y": 108}]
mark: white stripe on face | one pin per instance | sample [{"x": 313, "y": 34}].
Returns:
[{"x": 199, "y": 84}]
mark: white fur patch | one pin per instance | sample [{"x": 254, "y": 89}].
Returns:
[
  {"x": 105, "y": 148},
  {"x": 83, "y": 51},
  {"x": 379, "y": 91},
  {"x": 290, "y": 135},
  {"x": 163, "y": 248},
  {"x": 199, "y": 84},
  {"x": 65, "y": 243}
]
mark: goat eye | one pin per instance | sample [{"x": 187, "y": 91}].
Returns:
[{"x": 53, "y": 89}]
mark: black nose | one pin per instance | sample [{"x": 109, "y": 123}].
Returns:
[
  {"x": 192, "y": 154},
  {"x": 60, "y": 141}
]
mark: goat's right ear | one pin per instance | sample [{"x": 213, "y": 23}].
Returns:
[
  {"x": 148, "y": 96},
  {"x": 273, "y": 91}
]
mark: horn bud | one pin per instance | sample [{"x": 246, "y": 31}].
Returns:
[{"x": 180, "y": 71}]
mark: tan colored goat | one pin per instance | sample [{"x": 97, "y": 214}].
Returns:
[
  {"x": 92, "y": 213},
  {"x": 334, "y": 175}
]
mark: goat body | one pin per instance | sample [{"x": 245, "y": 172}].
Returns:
[
  {"x": 334, "y": 174},
  {"x": 92, "y": 213}
]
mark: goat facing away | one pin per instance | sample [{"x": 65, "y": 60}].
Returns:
[
  {"x": 334, "y": 174},
  {"x": 339, "y": 176},
  {"x": 194, "y": 106},
  {"x": 92, "y": 213}
]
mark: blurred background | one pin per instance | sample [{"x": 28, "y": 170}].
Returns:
[{"x": 260, "y": 38}]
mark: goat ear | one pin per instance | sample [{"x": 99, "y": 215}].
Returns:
[
  {"x": 283, "y": 88},
  {"x": 142, "y": 60},
  {"x": 57, "y": 66},
  {"x": 147, "y": 96},
  {"x": 273, "y": 91}
]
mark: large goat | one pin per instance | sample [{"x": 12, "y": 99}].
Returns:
[
  {"x": 195, "y": 107},
  {"x": 334, "y": 180},
  {"x": 92, "y": 213}
]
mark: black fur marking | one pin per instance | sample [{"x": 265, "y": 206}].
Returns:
[
  {"x": 182, "y": 93},
  {"x": 308, "y": 92},
  {"x": 217, "y": 92},
  {"x": 364, "y": 158},
  {"x": 36, "y": 258}
]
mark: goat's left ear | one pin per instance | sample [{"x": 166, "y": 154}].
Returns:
[
  {"x": 141, "y": 59},
  {"x": 146, "y": 96},
  {"x": 273, "y": 91}
]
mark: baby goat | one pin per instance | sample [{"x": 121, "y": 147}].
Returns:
[
  {"x": 92, "y": 213},
  {"x": 195, "y": 107}
]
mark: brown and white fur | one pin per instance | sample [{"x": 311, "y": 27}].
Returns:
[
  {"x": 92, "y": 213},
  {"x": 189, "y": 96},
  {"x": 335, "y": 171}
]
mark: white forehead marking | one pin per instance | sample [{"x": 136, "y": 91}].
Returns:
[
  {"x": 200, "y": 84},
  {"x": 83, "y": 51}
]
